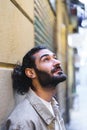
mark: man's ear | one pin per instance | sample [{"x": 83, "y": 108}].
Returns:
[{"x": 30, "y": 73}]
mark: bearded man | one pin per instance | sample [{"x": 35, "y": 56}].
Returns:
[{"x": 37, "y": 77}]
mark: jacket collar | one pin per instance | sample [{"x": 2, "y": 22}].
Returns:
[{"x": 41, "y": 109}]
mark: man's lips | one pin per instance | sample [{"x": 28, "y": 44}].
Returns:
[{"x": 57, "y": 70}]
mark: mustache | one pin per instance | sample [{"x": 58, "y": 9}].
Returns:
[{"x": 57, "y": 67}]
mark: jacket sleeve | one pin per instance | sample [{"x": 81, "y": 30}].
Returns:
[{"x": 19, "y": 125}]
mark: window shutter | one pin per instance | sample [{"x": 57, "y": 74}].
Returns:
[{"x": 44, "y": 24}]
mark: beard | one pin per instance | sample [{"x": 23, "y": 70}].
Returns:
[{"x": 48, "y": 81}]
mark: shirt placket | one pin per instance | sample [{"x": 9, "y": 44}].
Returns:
[{"x": 58, "y": 117}]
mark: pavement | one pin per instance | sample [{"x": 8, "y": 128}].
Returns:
[{"x": 79, "y": 111}]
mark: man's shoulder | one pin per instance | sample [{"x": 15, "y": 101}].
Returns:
[{"x": 22, "y": 110}]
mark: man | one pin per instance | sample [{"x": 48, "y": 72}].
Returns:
[{"x": 38, "y": 76}]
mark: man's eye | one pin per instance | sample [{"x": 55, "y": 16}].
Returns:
[
  {"x": 46, "y": 59},
  {"x": 55, "y": 57}
]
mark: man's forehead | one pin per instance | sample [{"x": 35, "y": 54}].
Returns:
[{"x": 43, "y": 52}]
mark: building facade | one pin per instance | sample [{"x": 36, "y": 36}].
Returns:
[{"x": 23, "y": 25}]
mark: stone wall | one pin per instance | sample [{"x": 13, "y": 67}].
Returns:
[{"x": 16, "y": 38}]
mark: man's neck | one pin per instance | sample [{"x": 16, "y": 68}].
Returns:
[{"x": 45, "y": 94}]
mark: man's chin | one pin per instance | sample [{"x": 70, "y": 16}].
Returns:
[{"x": 62, "y": 77}]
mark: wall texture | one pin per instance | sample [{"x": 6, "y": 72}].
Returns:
[
  {"x": 16, "y": 38},
  {"x": 16, "y": 30}
]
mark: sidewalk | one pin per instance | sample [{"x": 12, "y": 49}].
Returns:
[{"x": 79, "y": 112}]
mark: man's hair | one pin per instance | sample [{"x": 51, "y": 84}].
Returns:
[{"x": 21, "y": 82}]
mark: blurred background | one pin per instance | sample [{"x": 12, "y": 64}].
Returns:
[{"x": 61, "y": 25}]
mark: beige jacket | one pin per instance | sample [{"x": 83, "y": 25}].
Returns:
[{"x": 32, "y": 114}]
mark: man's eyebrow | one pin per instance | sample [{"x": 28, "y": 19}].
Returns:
[{"x": 44, "y": 56}]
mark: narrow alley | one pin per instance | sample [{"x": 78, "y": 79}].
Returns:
[{"x": 79, "y": 112}]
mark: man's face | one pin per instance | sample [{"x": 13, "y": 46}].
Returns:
[{"x": 48, "y": 69}]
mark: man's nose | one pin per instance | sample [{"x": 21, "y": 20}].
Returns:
[{"x": 56, "y": 61}]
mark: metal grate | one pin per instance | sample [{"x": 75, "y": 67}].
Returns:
[{"x": 44, "y": 21}]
